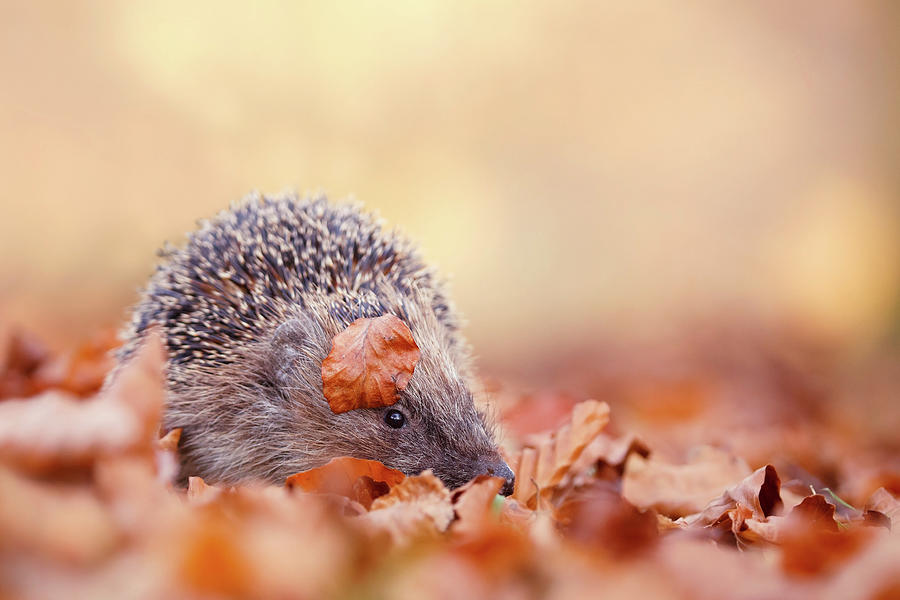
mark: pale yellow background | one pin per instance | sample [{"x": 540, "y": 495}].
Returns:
[{"x": 584, "y": 168}]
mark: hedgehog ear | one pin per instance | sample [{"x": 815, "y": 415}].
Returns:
[{"x": 286, "y": 350}]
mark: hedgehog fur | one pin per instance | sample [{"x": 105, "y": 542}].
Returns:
[{"x": 248, "y": 309}]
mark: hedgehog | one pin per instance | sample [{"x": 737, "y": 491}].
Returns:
[{"x": 247, "y": 310}]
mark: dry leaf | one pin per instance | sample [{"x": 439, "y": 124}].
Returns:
[
  {"x": 886, "y": 504},
  {"x": 545, "y": 460},
  {"x": 369, "y": 363},
  {"x": 21, "y": 355},
  {"x": 419, "y": 505},
  {"x": 597, "y": 516},
  {"x": 359, "y": 480},
  {"x": 55, "y": 430},
  {"x": 756, "y": 496},
  {"x": 169, "y": 442},
  {"x": 63, "y": 523},
  {"x": 82, "y": 371},
  {"x": 200, "y": 492},
  {"x": 813, "y": 513},
  {"x": 680, "y": 490},
  {"x": 472, "y": 503}
]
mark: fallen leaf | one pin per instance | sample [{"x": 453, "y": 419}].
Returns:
[
  {"x": 599, "y": 517},
  {"x": 813, "y": 513},
  {"x": 758, "y": 493},
  {"x": 546, "y": 459},
  {"x": 200, "y": 492},
  {"x": 885, "y": 503},
  {"x": 170, "y": 440},
  {"x": 809, "y": 551},
  {"x": 56, "y": 430},
  {"x": 369, "y": 364},
  {"x": 21, "y": 355},
  {"x": 680, "y": 490},
  {"x": 63, "y": 523},
  {"x": 419, "y": 505},
  {"x": 473, "y": 502},
  {"x": 82, "y": 371},
  {"x": 359, "y": 480},
  {"x": 167, "y": 462}
]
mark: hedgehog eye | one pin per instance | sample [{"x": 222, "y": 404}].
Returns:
[{"x": 394, "y": 418}]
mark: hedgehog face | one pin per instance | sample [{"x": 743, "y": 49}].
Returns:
[
  {"x": 433, "y": 425},
  {"x": 456, "y": 444}
]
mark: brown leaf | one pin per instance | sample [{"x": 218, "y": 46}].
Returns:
[
  {"x": 758, "y": 493},
  {"x": 680, "y": 490},
  {"x": 200, "y": 492},
  {"x": 67, "y": 524},
  {"x": 814, "y": 550},
  {"x": 170, "y": 440},
  {"x": 82, "y": 371},
  {"x": 473, "y": 501},
  {"x": 55, "y": 430},
  {"x": 369, "y": 363},
  {"x": 885, "y": 503},
  {"x": 813, "y": 513},
  {"x": 599, "y": 517},
  {"x": 21, "y": 355},
  {"x": 359, "y": 480},
  {"x": 546, "y": 459},
  {"x": 167, "y": 462},
  {"x": 419, "y": 505}
]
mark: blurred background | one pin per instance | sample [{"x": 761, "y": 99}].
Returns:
[{"x": 584, "y": 172}]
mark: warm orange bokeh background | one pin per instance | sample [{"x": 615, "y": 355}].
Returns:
[{"x": 591, "y": 168}]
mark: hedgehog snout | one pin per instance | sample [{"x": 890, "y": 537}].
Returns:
[{"x": 498, "y": 468}]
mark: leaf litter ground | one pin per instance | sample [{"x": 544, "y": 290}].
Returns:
[{"x": 629, "y": 507}]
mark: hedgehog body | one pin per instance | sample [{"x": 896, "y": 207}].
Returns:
[{"x": 248, "y": 309}]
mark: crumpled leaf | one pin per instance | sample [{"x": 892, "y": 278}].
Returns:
[
  {"x": 472, "y": 503},
  {"x": 369, "y": 364},
  {"x": 167, "y": 456},
  {"x": 359, "y": 480},
  {"x": 756, "y": 496},
  {"x": 200, "y": 492},
  {"x": 82, "y": 371},
  {"x": 21, "y": 356},
  {"x": 546, "y": 459},
  {"x": 56, "y": 430},
  {"x": 420, "y": 505},
  {"x": 680, "y": 490},
  {"x": 813, "y": 513},
  {"x": 599, "y": 517},
  {"x": 68, "y": 524},
  {"x": 885, "y": 503}
]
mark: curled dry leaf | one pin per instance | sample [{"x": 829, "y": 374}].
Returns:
[
  {"x": 21, "y": 356},
  {"x": 369, "y": 363},
  {"x": 56, "y": 430},
  {"x": 472, "y": 502},
  {"x": 359, "y": 480},
  {"x": 167, "y": 467},
  {"x": 883, "y": 502},
  {"x": 169, "y": 442},
  {"x": 680, "y": 490},
  {"x": 545, "y": 460},
  {"x": 756, "y": 496},
  {"x": 813, "y": 513},
  {"x": 82, "y": 371},
  {"x": 419, "y": 505},
  {"x": 200, "y": 492},
  {"x": 599, "y": 517},
  {"x": 52, "y": 522}
]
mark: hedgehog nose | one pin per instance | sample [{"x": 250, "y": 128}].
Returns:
[{"x": 501, "y": 469}]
